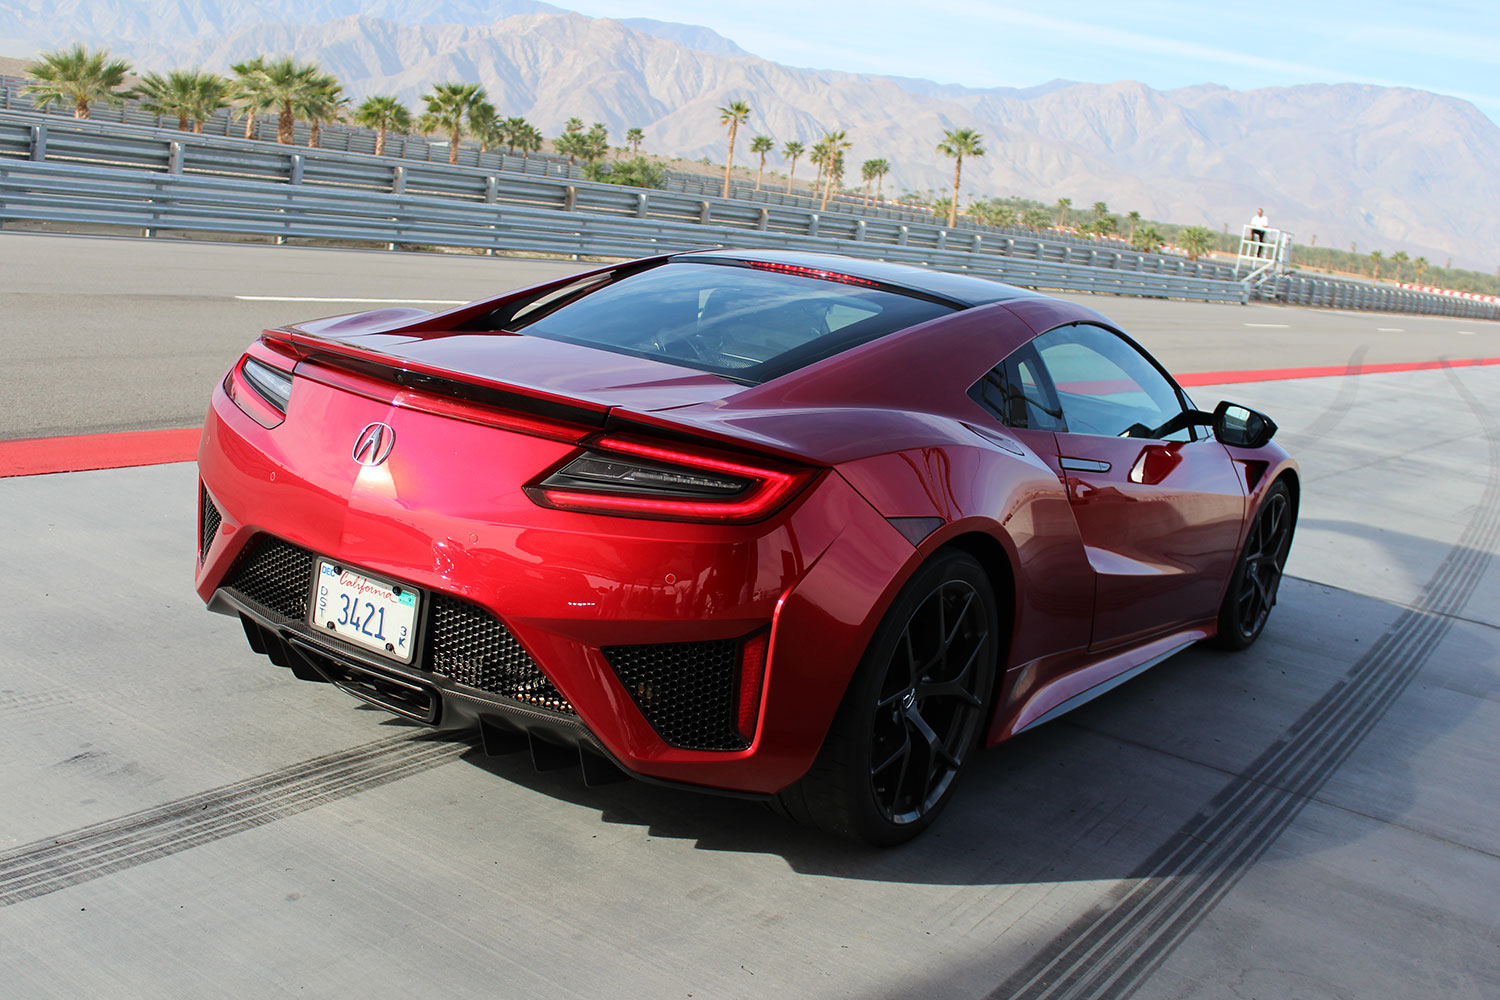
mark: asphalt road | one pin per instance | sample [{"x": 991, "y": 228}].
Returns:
[
  {"x": 104, "y": 334},
  {"x": 1317, "y": 817}
]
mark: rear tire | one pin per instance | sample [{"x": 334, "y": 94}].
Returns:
[
  {"x": 1257, "y": 572},
  {"x": 913, "y": 714}
]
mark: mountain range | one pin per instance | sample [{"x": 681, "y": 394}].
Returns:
[{"x": 1343, "y": 164}]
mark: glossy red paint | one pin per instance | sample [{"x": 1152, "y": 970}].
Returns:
[{"x": 1099, "y": 572}]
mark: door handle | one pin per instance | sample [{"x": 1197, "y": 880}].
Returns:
[{"x": 1083, "y": 464}]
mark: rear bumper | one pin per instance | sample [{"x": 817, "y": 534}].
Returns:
[{"x": 568, "y": 587}]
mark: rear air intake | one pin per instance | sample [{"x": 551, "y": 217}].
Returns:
[
  {"x": 690, "y": 692},
  {"x": 209, "y": 523}
]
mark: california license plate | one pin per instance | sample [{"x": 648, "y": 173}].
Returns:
[{"x": 365, "y": 610}]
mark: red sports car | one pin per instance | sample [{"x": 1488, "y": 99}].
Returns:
[{"x": 791, "y": 526}]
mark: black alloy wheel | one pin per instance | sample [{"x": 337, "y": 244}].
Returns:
[
  {"x": 1257, "y": 575},
  {"x": 914, "y": 712}
]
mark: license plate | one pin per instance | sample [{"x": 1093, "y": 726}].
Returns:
[{"x": 365, "y": 610}]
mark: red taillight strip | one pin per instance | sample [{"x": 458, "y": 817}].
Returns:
[
  {"x": 812, "y": 272},
  {"x": 696, "y": 459},
  {"x": 773, "y": 487}
]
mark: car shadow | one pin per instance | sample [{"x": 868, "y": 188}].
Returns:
[{"x": 1088, "y": 797}]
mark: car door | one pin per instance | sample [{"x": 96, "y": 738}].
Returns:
[{"x": 1159, "y": 509}]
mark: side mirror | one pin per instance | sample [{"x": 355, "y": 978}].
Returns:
[{"x": 1241, "y": 426}]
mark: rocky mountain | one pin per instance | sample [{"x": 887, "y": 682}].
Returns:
[{"x": 1385, "y": 168}]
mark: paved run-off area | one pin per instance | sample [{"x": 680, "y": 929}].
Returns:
[{"x": 1316, "y": 817}]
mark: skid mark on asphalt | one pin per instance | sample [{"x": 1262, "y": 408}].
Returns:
[
  {"x": 1324, "y": 423},
  {"x": 116, "y": 845},
  {"x": 1113, "y": 950}
]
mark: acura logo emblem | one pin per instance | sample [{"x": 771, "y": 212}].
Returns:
[{"x": 374, "y": 444}]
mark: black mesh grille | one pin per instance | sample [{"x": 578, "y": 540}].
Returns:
[
  {"x": 211, "y": 521},
  {"x": 277, "y": 576},
  {"x": 465, "y": 642},
  {"x": 686, "y": 690}
]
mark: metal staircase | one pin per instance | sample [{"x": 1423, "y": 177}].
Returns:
[{"x": 1262, "y": 259}]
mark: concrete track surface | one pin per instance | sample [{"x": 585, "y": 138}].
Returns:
[{"x": 1316, "y": 817}]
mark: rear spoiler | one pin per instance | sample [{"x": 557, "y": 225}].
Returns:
[{"x": 415, "y": 375}]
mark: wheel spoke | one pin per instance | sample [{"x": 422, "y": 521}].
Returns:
[
  {"x": 904, "y": 750},
  {"x": 949, "y": 635},
  {"x": 955, "y": 686}
]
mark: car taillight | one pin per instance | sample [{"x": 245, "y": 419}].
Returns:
[
  {"x": 627, "y": 476},
  {"x": 270, "y": 390}
]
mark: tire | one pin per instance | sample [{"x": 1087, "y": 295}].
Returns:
[
  {"x": 1257, "y": 572},
  {"x": 913, "y": 714}
]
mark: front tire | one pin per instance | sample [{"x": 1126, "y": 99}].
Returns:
[
  {"x": 1257, "y": 573},
  {"x": 913, "y": 714}
]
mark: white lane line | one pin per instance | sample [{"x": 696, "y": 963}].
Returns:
[
  {"x": 1390, "y": 329},
  {"x": 1271, "y": 326},
  {"x": 311, "y": 298},
  {"x": 1466, "y": 333}
]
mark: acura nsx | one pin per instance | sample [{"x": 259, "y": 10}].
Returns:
[{"x": 790, "y": 526}]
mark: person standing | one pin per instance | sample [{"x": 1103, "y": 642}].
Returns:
[{"x": 1258, "y": 227}]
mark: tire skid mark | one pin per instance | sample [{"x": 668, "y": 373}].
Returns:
[
  {"x": 116, "y": 845},
  {"x": 21, "y": 703},
  {"x": 1343, "y": 401},
  {"x": 1112, "y": 950}
]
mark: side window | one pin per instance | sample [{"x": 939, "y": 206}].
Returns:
[
  {"x": 1106, "y": 386},
  {"x": 1017, "y": 393}
]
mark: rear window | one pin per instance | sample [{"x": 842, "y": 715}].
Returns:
[{"x": 740, "y": 322}]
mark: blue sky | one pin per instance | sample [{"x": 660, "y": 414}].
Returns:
[{"x": 1448, "y": 48}]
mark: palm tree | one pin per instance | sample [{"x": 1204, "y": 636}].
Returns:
[
  {"x": 570, "y": 143},
  {"x": 761, "y": 144},
  {"x": 529, "y": 140},
  {"x": 958, "y": 143},
  {"x": 1375, "y": 258},
  {"x": 247, "y": 76},
  {"x": 1196, "y": 240},
  {"x": 878, "y": 168},
  {"x": 76, "y": 75},
  {"x": 484, "y": 125},
  {"x": 633, "y": 138},
  {"x": 325, "y": 102},
  {"x": 1100, "y": 210},
  {"x": 1147, "y": 238},
  {"x": 1399, "y": 258},
  {"x": 1421, "y": 265},
  {"x": 733, "y": 114},
  {"x": 1063, "y": 204},
  {"x": 836, "y": 144},
  {"x": 513, "y": 129},
  {"x": 287, "y": 86},
  {"x": 191, "y": 95},
  {"x": 821, "y": 154},
  {"x": 1134, "y": 218},
  {"x": 791, "y": 151},
  {"x": 383, "y": 114},
  {"x": 594, "y": 144},
  {"x": 448, "y": 109},
  {"x": 1035, "y": 218},
  {"x": 835, "y": 176}
]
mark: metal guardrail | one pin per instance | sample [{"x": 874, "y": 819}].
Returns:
[
  {"x": 60, "y": 143},
  {"x": 158, "y": 201}
]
